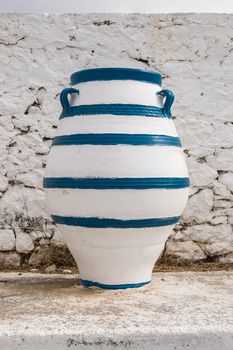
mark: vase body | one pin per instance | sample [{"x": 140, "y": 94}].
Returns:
[{"x": 116, "y": 181}]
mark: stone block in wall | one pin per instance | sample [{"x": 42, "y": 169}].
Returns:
[
  {"x": 39, "y": 257},
  {"x": 222, "y": 160},
  {"x": 38, "y": 235},
  {"x": 201, "y": 174},
  {"x": 221, "y": 190},
  {"x": 9, "y": 260},
  {"x": 189, "y": 251},
  {"x": 57, "y": 239},
  {"x": 213, "y": 240},
  {"x": 227, "y": 180},
  {"x": 24, "y": 242},
  {"x": 23, "y": 200},
  {"x": 225, "y": 259},
  {"x": 7, "y": 240},
  {"x": 199, "y": 207}
]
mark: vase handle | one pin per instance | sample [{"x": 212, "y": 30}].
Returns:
[
  {"x": 64, "y": 98},
  {"x": 168, "y": 101}
]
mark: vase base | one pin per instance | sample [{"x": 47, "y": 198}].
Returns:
[{"x": 89, "y": 284}]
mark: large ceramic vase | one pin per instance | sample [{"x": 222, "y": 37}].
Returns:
[{"x": 116, "y": 180}]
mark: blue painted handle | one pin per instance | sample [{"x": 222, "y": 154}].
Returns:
[
  {"x": 64, "y": 98},
  {"x": 168, "y": 102}
]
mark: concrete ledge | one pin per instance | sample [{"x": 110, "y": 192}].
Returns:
[{"x": 177, "y": 311}]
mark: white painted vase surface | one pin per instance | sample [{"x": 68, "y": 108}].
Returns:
[{"x": 116, "y": 180}]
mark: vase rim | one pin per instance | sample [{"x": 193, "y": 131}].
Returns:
[{"x": 116, "y": 73}]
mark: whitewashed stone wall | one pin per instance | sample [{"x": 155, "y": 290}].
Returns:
[{"x": 195, "y": 55}]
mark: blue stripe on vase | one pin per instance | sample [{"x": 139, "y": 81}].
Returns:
[
  {"x": 117, "y": 183},
  {"x": 114, "y": 109},
  {"x": 86, "y": 283},
  {"x": 116, "y": 139},
  {"x": 97, "y": 222},
  {"x": 116, "y": 73}
]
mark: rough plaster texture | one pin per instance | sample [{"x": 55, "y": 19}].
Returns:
[{"x": 194, "y": 53}]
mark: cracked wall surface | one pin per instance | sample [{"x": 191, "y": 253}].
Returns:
[{"x": 37, "y": 55}]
